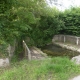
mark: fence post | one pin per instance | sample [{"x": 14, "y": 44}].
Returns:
[
  {"x": 64, "y": 39},
  {"x": 77, "y": 41}
]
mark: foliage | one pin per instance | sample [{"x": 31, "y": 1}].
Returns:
[
  {"x": 18, "y": 18},
  {"x": 44, "y": 31},
  {"x": 26, "y": 18},
  {"x": 71, "y": 21}
]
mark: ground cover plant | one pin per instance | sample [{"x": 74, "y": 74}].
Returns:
[{"x": 57, "y": 68}]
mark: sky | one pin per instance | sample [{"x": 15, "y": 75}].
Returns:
[{"x": 65, "y": 4}]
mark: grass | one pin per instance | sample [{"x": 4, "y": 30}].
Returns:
[{"x": 57, "y": 68}]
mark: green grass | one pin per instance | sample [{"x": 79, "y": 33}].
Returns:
[{"x": 54, "y": 69}]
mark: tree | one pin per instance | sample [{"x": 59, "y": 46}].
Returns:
[{"x": 28, "y": 18}]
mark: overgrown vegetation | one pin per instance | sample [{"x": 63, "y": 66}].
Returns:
[
  {"x": 19, "y": 19},
  {"x": 54, "y": 69},
  {"x": 35, "y": 20}
]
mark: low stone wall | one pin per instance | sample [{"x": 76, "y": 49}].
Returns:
[
  {"x": 4, "y": 62},
  {"x": 67, "y": 39}
]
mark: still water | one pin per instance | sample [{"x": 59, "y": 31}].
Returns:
[{"x": 54, "y": 50}]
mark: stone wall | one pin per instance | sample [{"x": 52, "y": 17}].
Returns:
[
  {"x": 67, "y": 39},
  {"x": 9, "y": 51},
  {"x": 70, "y": 39}
]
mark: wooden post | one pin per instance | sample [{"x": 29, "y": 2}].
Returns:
[{"x": 27, "y": 51}]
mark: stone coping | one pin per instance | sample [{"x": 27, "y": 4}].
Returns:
[{"x": 68, "y": 46}]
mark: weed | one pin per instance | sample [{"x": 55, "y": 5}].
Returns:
[{"x": 57, "y": 68}]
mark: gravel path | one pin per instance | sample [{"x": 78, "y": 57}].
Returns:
[{"x": 76, "y": 78}]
